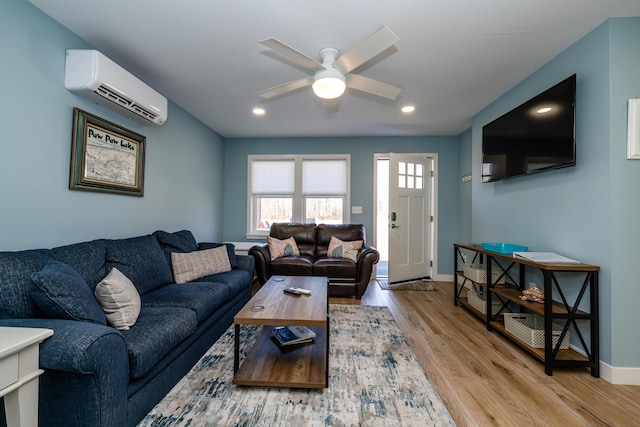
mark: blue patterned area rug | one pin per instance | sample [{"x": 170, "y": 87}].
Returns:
[{"x": 375, "y": 380}]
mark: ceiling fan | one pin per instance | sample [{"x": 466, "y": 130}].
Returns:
[{"x": 330, "y": 78}]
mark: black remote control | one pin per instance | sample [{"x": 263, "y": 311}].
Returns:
[{"x": 292, "y": 291}]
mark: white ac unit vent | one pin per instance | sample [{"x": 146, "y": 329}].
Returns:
[{"x": 91, "y": 74}]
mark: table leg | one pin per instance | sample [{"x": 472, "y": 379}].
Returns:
[
  {"x": 236, "y": 349},
  {"x": 21, "y": 405}
]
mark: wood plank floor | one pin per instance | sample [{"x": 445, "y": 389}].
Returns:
[{"x": 486, "y": 380}]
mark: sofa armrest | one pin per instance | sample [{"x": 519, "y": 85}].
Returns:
[
  {"x": 86, "y": 368},
  {"x": 260, "y": 253},
  {"x": 246, "y": 263},
  {"x": 367, "y": 257}
]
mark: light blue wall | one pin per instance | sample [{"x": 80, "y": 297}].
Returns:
[
  {"x": 464, "y": 195},
  {"x": 183, "y": 171},
  {"x": 362, "y": 152},
  {"x": 587, "y": 212},
  {"x": 625, "y": 195}
]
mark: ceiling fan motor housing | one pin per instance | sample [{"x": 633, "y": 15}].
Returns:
[{"x": 329, "y": 83}]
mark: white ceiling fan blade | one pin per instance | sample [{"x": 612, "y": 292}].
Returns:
[
  {"x": 286, "y": 88},
  {"x": 291, "y": 54},
  {"x": 376, "y": 87},
  {"x": 369, "y": 48}
]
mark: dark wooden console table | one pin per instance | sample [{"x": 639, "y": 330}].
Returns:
[{"x": 564, "y": 312}]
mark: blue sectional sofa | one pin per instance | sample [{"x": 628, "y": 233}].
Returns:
[{"x": 96, "y": 375}]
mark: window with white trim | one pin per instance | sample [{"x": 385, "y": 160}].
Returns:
[{"x": 297, "y": 188}]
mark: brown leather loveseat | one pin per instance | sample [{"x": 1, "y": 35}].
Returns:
[{"x": 348, "y": 267}]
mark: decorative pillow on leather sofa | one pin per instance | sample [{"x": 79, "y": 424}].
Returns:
[
  {"x": 119, "y": 299},
  {"x": 340, "y": 249},
  {"x": 197, "y": 264},
  {"x": 62, "y": 293},
  {"x": 281, "y": 248}
]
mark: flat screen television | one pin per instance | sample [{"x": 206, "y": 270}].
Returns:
[{"x": 537, "y": 136}]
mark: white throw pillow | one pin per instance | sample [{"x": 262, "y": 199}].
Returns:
[
  {"x": 281, "y": 248},
  {"x": 194, "y": 265},
  {"x": 339, "y": 249},
  {"x": 119, "y": 299}
]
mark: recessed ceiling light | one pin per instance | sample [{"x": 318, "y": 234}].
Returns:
[
  {"x": 543, "y": 110},
  {"x": 259, "y": 111},
  {"x": 408, "y": 109}
]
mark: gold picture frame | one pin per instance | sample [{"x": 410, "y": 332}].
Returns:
[{"x": 105, "y": 157}]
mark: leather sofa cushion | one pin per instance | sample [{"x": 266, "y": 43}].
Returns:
[
  {"x": 292, "y": 266},
  {"x": 335, "y": 268},
  {"x": 304, "y": 235},
  {"x": 344, "y": 232}
]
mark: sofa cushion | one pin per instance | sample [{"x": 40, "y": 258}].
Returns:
[
  {"x": 231, "y": 250},
  {"x": 344, "y": 232},
  {"x": 282, "y": 248},
  {"x": 201, "y": 297},
  {"x": 119, "y": 299},
  {"x": 157, "y": 331},
  {"x": 339, "y": 249},
  {"x": 235, "y": 281},
  {"x": 194, "y": 265},
  {"x": 292, "y": 266},
  {"x": 340, "y": 268},
  {"x": 179, "y": 241},
  {"x": 62, "y": 293},
  {"x": 304, "y": 234},
  {"x": 16, "y": 269},
  {"x": 87, "y": 258},
  {"x": 140, "y": 259}
]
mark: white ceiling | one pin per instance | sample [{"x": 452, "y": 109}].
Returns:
[{"x": 454, "y": 57}]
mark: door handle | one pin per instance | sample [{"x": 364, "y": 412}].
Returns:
[{"x": 395, "y": 226}]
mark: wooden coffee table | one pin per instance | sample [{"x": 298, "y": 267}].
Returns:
[{"x": 298, "y": 366}]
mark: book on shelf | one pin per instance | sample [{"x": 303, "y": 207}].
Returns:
[
  {"x": 288, "y": 335},
  {"x": 545, "y": 257}
]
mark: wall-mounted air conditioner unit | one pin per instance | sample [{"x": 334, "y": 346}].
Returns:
[{"x": 91, "y": 74}]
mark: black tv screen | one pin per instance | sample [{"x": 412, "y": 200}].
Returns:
[{"x": 538, "y": 135}]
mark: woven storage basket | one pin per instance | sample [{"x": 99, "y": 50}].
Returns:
[
  {"x": 530, "y": 329},
  {"x": 478, "y": 300},
  {"x": 478, "y": 273}
]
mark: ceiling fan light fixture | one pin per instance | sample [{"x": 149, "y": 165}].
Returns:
[{"x": 329, "y": 84}]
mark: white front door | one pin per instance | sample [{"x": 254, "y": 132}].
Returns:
[{"x": 409, "y": 216}]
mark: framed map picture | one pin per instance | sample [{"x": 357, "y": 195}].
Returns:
[{"x": 105, "y": 157}]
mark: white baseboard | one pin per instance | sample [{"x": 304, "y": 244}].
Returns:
[
  {"x": 620, "y": 376},
  {"x": 443, "y": 277}
]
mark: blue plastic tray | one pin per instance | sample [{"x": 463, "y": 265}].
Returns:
[{"x": 503, "y": 248}]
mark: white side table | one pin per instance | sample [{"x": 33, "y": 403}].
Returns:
[{"x": 19, "y": 371}]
